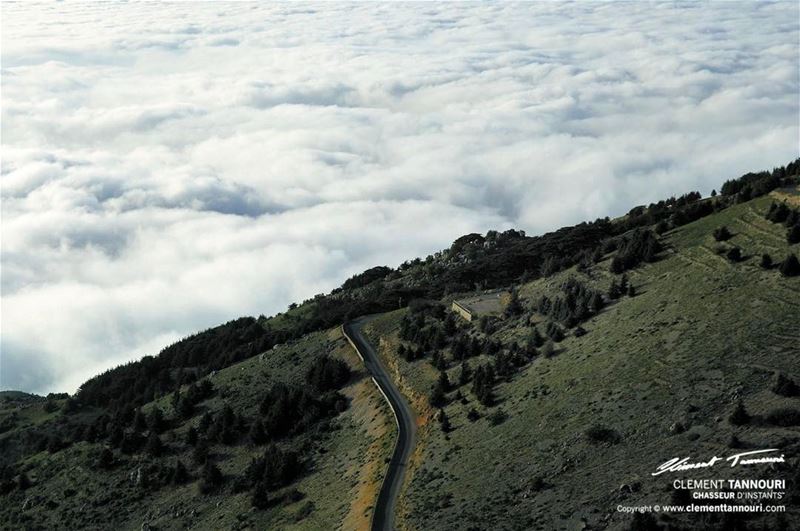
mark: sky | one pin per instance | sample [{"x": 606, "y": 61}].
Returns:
[{"x": 168, "y": 167}]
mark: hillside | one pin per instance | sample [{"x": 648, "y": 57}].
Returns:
[
  {"x": 662, "y": 370},
  {"x": 619, "y": 345},
  {"x": 73, "y": 487}
]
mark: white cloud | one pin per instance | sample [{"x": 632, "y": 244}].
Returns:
[{"x": 167, "y": 169}]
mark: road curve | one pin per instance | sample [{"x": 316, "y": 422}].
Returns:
[{"x": 383, "y": 514}]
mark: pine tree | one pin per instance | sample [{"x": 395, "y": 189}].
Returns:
[
  {"x": 179, "y": 473},
  {"x": 790, "y": 267},
  {"x": 139, "y": 421},
  {"x": 200, "y": 453},
  {"x": 260, "y": 498},
  {"x": 793, "y": 234},
  {"x": 155, "y": 420},
  {"x": 466, "y": 373},
  {"x": 105, "y": 459},
  {"x": 740, "y": 416},
  {"x": 154, "y": 446},
  {"x": 191, "y": 436},
  {"x": 212, "y": 478},
  {"x": 258, "y": 435},
  {"x": 766, "y": 261},
  {"x": 444, "y": 421}
]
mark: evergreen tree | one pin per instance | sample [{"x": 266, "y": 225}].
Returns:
[
  {"x": 722, "y": 234},
  {"x": 257, "y": 435},
  {"x": 740, "y": 416},
  {"x": 155, "y": 420},
  {"x": 191, "y": 436},
  {"x": 466, "y": 373},
  {"x": 793, "y": 234},
  {"x": 23, "y": 481},
  {"x": 790, "y": 267},
  {"x": 260, "y": 498},
  {"x": 766, "y": 261},
  {"x": 139, "y": 421},
  {"x": 154, "y": 446},
  {"x": 514, "y": 306},
  {"x": 200, "y": 453},
  {"x": 444, "y": 421},
  {"x": 105, "y": 459},
  {"x": 785, "y": 386},
  {"x": 212, "y": 478},
  {"x": 179, "y": 473},
  {"x": 734, "y": 254}
]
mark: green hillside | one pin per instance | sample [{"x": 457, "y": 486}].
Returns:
[
  {"x": 69, "y": 488},
  {"x": 662, "y": 369}
]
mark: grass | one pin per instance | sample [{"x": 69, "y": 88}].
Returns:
[{"x": 700, "y": 333}]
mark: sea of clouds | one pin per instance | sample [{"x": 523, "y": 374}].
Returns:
[{"x": 167, "y": 167}]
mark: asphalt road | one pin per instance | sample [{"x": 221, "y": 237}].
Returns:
[{"x": 383, "y": 515}]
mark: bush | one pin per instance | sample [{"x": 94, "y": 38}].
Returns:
[
  {"x": 766, "y": 261},
  {"x": 548, "y": 350},
  {"x": 598, "y": 433},
  {"x": 784, "y": 417},
  {"x": 785, "y": 386},
  {"x": 740, "y": 416},
  {"x": 722, "y": 234},
  {"x": 497, "y": 417},
  {"x": 734, "y": 254}
]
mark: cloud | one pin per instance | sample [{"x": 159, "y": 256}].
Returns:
[{"x": 166, "y": 170}]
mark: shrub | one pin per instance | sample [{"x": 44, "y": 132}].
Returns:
[
  {"x": 766, "y": 261},
  {"x": 740, "y": 416},
  {"x": 497, "y": 417},
  {"x": 548, "y": 350},
  {"x": 785, "y": 386},
  {"x": 734, "y": 254},
  {"x": 598, "y": 433},
  {"x": 473, "y": 415},
  {"x": 722, "y": 234}
]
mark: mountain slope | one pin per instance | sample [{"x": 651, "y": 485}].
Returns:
[
  {"x": 337, "y": 486},
  {"x": 662, "y": 369}
]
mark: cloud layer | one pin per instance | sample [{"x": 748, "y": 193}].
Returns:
[{"x": 168, "y": 167}]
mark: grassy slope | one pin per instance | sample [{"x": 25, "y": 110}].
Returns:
[
  {"x": 701, "y": 333},
  {"x": 340, "y": 488}
]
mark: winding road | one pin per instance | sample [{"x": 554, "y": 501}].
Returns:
[{"x": 383, "y": 514}]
